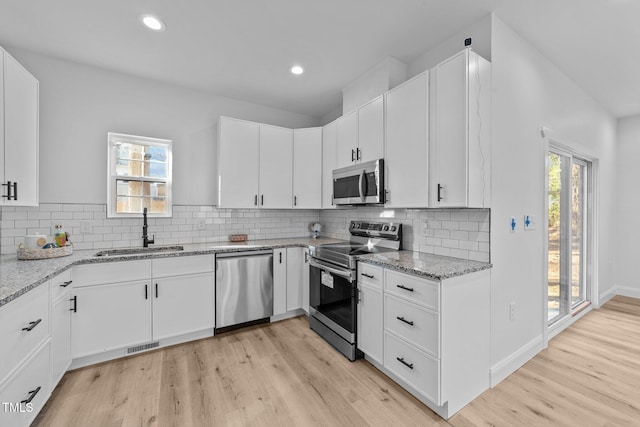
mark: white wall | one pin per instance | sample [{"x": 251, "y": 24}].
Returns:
[
  {"x": 529, "y": 91},
  {"x": 480, "y": 32},
  {"x": 79, "y": 104},
  {"x": 628, "y": 207}
]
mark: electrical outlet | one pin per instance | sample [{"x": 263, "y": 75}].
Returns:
[
  {"x": 202, "y": 224},
  {"x": 425, "y": 228},
  {"x": 85, "y": 227},
  {"x": 512, "y": 311}
]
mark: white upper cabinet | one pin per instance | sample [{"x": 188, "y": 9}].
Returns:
[
  {"x": 19, "y": 92},
  {"x": 347, "y": 139},
  {"x": 461, "y": 135},
  {"x": 361, "y": 134},
  {"x": 371, "y": 131},
  {"x": 407, "y": 144},
  {"x": 276, "y": 167},
  {"x": 238, "y": 163},
  {"x": 307, "y": 168},
  {"x": 329, "y": 162}
]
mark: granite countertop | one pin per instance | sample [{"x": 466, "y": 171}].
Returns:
[
  {"x": 435, "y": 267},
  {"x": 17, "y": 277}
]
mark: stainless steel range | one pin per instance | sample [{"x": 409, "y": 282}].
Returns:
[{"x": 333, "y": 291}]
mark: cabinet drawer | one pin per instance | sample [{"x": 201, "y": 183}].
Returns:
[
  {"x": 371, "y": 275},
  {"x": 417, "y": 369},
  {"x": 60, "y": 284},
  {"x": 111, "y": 272},
  {"x": 31, "y": 381},
  {"x": 182, "y": 265},
  {"x": 415, "y": 289},
  {"x": 417, "y": 325},
  {"x": 29, "y": 311}
]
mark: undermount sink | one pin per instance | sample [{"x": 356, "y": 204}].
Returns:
[{"x": 134, "y": 251}]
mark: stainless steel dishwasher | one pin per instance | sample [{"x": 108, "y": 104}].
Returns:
[{"x": 244, "y": 288}]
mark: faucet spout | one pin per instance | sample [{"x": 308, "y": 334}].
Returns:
[{"x": 145, "y": 237}]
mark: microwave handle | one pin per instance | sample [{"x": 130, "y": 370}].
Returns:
[{"x": 362, "y": 185}]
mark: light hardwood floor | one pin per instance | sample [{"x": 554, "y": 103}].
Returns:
[{"x": 283, "y": 374}]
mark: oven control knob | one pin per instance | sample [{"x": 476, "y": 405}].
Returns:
[
  {"x": 393, "y": 228},
  {"x": 385, "y": 228}
]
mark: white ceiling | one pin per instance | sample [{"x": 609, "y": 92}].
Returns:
[{"x": 244, "y": 48}]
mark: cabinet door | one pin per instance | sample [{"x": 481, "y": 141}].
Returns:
[
  {"x": 407, "y": 144},
  {"x": 307, "y": 168},
  {"x": 329, "y": 162},
  {"x": 109, "y": 317},
  {"x": 295, "y": 262},
  {"x": 347, "y": 139},
  {"x": 182, "y": 304},
  {"x": 279, "y": 281},
  {"x": 370, "y": 322},
  {"x": 60, "y": 337},
  {"x": 451, "y": 162},
  {"x": 371, "y": 131},
  {"x": 305, "y": 280},
  {"x": 20, "y": 133},
  {"x": 238, "y": 163},
  {"x": 276, "y": 167}
]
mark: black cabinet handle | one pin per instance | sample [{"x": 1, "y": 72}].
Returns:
[
  {"x": 405, "y": 288},
  {"x": 255, "y": 200},
  {"x": 32, "y": 325},
  {"x": 295, "y": 200},
  {"x": 65, "y": 284},
  {"x": 402, "y": 319},
  {"x": 280, "y": 257},
  {"x": 357, "y": 154},
  {"x": 11, "y": 185},
  {"x": 306, "y": 257},
  {"x": 15, "y": 191},
  {"x": 440, "y": 198},
  {"x": 146, "y": 292},
  {"x": 32, "y": 394},
  {"x": 262, "y": 200},
  {"x": 370, "y": 276},
  {"x": 75, "y": 304},
  {"x": 401, "y": 360},
  {"x": 353, "y": 155},
  {"x": 156, "y": 290}
]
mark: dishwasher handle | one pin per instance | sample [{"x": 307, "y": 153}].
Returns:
[{"x": 248, "y": 252}]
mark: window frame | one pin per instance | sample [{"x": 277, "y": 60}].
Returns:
[{"x": 112, "y": 177}]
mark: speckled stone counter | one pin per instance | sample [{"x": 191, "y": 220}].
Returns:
[
  {"x": 427, "y": 265},
  {"x": 18, "y": 277}
]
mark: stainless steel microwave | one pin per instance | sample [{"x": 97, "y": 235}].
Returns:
[{"x": 360, "y": 184}]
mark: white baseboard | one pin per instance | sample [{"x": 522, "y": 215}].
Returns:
[
  {"x": 627, "y": 292},
  {"x": 606, "y": 296},
  {"x": 510, "y": 364}
]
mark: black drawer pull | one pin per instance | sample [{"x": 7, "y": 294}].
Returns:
[
  {"x": 65, "y": 284},
  {"x": 401, "y": 360},
  {"x": 32, "y": 394},
  {"x": 75, "y": 304},
  {"x": 405, "y": 288},
  {"x": 370, "y": 276},
  {"x": 402, "y": 319},
  {"x": 32, "y": 325},
  {"x": 156, "y": 290}
]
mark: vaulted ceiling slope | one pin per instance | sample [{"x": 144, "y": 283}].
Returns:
[{"x": 243, "y": 49}]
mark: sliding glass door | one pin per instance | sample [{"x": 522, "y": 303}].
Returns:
[{"x": 568, "y": 190}]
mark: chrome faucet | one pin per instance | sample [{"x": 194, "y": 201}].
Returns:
[{"x": 145, "y": 237}]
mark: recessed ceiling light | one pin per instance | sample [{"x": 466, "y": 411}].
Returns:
[
  {"x": 152, "y": 22},
  {"x": 297, "y": 70}
]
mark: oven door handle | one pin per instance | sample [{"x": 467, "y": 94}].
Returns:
[{"x": 344, "y": 274}]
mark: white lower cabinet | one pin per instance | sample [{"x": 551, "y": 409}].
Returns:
[
  {"x": 434, "y": 335},
  {"x": 182, "y": 304},
  {"x": 305, "y": 280},
  {"x": 60, "y": 335},
  {"x": 279, "y": 281},
  {"x": 288, "y": 280},
  {"x": 26, "y": 392},
  {"x": 109, "y": 317},
  {"x": 295, "y": 261}
]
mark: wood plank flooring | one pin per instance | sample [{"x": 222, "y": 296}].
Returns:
[{"x": 283, "y": 374}]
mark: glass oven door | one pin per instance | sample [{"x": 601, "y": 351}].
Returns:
[{"x": 332, "y": 297}]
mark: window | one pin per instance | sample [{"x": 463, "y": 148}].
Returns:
[{"x": 139, "y": 176}]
